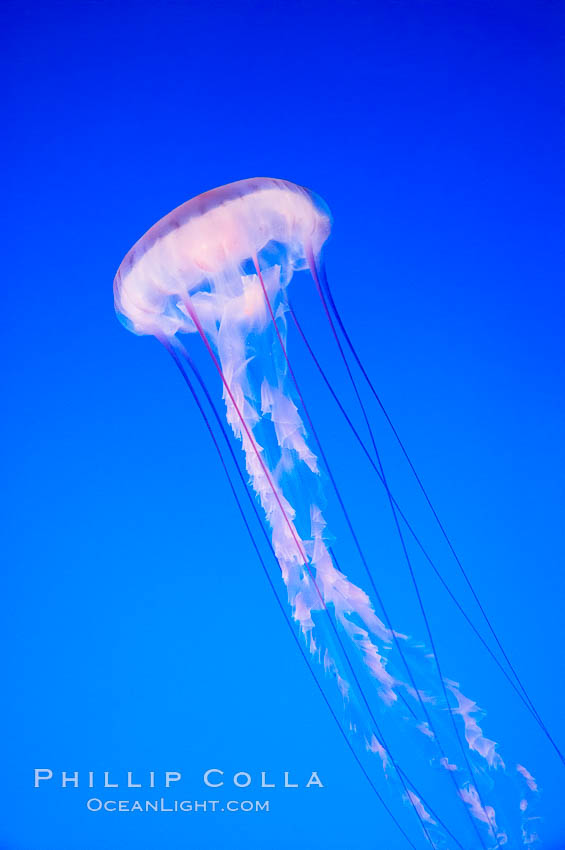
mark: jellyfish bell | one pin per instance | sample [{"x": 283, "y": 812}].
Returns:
[{"x": 205, "y": 254}]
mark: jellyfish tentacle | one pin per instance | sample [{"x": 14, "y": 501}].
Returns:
[
  {"x": 241, "y": 510},
  {"x": 284, "y": 510},
  {"x": 406, "y": 782},
  {"x": 296, "y": 539},
  {"x": 325, "y": 459},
  {"x": 366, "y": 646},
  {"x": 438, "y": 521},
  {"x": 427, "y": 715},
  {"x": 408, "y": 560},
  {"x": 408, "y": 525}
]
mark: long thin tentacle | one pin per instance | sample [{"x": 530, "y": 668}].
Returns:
[
  {"x": 440, "y": 525},
  {"x": 373, "y": 583},
  {"x": 343, "y": 733},
  {"x": 405, "y": 781}
]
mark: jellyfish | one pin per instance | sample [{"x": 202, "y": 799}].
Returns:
[{"x": 221, "y": 269}]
